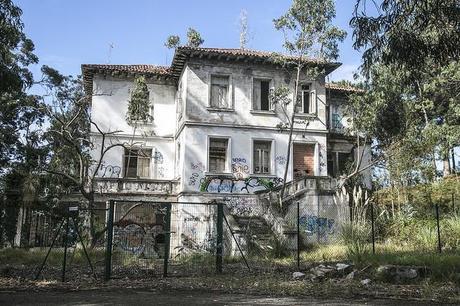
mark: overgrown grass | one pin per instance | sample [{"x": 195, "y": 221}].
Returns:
[{"x": 35, "y": 256}]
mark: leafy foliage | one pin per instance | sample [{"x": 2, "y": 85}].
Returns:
[
  {"x": 194, "y": 38},
  {"x": 139, "y": 104},
  {"x": 408, "y": 33},
  {"x": 173, "y": 41}
]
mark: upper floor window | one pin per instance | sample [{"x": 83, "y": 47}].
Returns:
[
  {"x": 308, "y": 100},
  {"x": 220, "y": 92},
  {"x": 218, "y": 155},
  {"x": 262, "y": 156},
  {"x": 260, "y": 94},
  {"x": 137, "y": 163}
]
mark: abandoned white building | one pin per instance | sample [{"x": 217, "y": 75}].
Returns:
[{"x": 215, "y": 134}]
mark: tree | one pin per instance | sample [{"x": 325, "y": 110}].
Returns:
[
  {"x": 408, "y": 33},
  {"x": 194, "y": 39},
  {"x": 17, "y": 109},
  {"x": 307, "y": 32},
  {"x": 70, "y": 143},
  {"x": 243, "y": 29},
  {"x": 172, "y": 42},
  {"x": 411, "y": 65}
]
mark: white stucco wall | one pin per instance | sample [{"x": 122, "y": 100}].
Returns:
[
  {"x": 110, "y": 104},
  {"x": 198, "y": 78},
  {"x": 239, "y": 157}
]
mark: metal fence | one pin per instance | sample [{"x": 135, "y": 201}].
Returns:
[{"x": 163, "y": 239}]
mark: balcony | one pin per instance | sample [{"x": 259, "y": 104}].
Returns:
[{"x": 135, "y": 186}]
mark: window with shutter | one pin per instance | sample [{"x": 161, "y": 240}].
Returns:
[
  {"x": 220, "y": 92},
  {"x": 260, "y": 94}
]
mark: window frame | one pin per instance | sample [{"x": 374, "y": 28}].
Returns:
[
  {"x": 313, "y": 103},
  {"x": 270, "y": 88},
  {"x": 272, "y": 157},
  {"x": 228, "y": 168},
  {"x": 316, "y": 161},
  {"x": 125, "y": 156},
  {"x": 229, "y": 92}
]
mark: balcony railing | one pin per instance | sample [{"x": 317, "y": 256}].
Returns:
[{"x": 135, "y": 186}]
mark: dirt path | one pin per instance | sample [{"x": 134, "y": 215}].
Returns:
[{"x": 140, "y": 297}]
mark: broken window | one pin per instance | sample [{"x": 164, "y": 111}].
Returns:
[
  {"x": 262, "y": 156},
  {"x": 260, "y": 94},
  {"x": 308, "y": 100},
  {"x": 218, "y": 155},
  {"x": 338, "y": 163},
  {"x": 137, "y": 163},
  {"x": 220, "y": 92}
]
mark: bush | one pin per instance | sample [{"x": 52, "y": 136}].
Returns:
[{"x": 356, "y": 237}]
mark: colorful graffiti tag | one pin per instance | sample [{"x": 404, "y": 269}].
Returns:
[
  {"x": 314, "y": 225},
  {"x": 224, "y": 184}
]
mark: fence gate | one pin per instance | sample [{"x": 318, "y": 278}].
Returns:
[{"x": 163, "y": 239}]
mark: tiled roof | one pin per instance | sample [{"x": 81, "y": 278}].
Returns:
[
  {"x": 182, "y": 54},
  {"x": 343, "y": 88},
  {"x": 128, "y": 68},
  {"x": 246, "y": 52}
]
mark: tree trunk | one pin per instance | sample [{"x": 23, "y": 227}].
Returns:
[{"x": 446, "y": 167}]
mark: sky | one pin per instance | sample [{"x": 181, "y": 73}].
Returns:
[{"x": 69, "y": 33}]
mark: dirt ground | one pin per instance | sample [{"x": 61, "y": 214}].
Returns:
[{"x": 155, "y": 297}]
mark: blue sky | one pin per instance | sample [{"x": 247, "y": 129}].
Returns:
[{"x": 69, "y": 33}]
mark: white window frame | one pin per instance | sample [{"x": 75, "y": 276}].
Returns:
[
  {"x": 272, "y": 157},
  {"x": 152, "y": 150},
  {"x": 270, "y": 89},
  {"x": 229, "y": 93},
  {"x": 228, "y": 157},
  {"x": 313, "y": 105}
]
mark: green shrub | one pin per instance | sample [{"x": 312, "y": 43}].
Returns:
[{"x": 356, "y": 238}]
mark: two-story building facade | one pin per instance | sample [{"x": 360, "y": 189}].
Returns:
[{"x": 215, "y": 131}]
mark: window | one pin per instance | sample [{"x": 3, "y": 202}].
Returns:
[
  {"x": 137, "y": 162},
  {"x": 337, "y": 122},
  {"x": 308, "y": 100},
  {"x": 260, "y": 94},
  {"x": 218, "y": 155},
  {"x": 262, "y": 156},
  {"x": 220, "y": 94},
  {"x": 337, "y": 162}
]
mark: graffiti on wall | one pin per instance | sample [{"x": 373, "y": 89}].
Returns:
[
  {"x": 109, "y": 171},
  {"x": 243, "y": 206},
  {"x": 196, "y": 235},
  {"x": 314, "y": 225},
  {"x": 224, "y": 184},
  {"x": 240, "y": 168},
  {"x": 158, "y": 157},
  {"x": 281, "y": 159},
  {"x": 197, "y": 170}
]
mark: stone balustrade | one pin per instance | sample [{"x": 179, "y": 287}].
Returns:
[{"x": 135, "y": 186}]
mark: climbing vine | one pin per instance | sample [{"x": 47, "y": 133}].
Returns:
[{"x": 139, "y": 104}]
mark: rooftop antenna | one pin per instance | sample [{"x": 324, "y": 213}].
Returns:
[{"x": 109, "y": 55}]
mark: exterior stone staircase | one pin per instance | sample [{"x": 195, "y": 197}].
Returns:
[{"x": 257, "y": 232}]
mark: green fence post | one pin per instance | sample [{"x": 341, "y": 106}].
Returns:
[
  {"x": 64, "y": 262},
  {"x": 108, "y": 248},
  {"x": 167, "y": 232},
  {"x": 220, "y": 231}
]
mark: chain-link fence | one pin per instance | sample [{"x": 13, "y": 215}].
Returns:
[{"x": 163, "y": 239}]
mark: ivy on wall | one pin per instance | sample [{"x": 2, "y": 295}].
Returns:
[{"x": 139, "y": 104}]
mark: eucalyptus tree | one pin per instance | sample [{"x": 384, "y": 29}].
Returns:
[
  {"x": 308, "y": 32},
  {"x": 411, "y": 62},
  {"x": 194, "y": 39}
]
